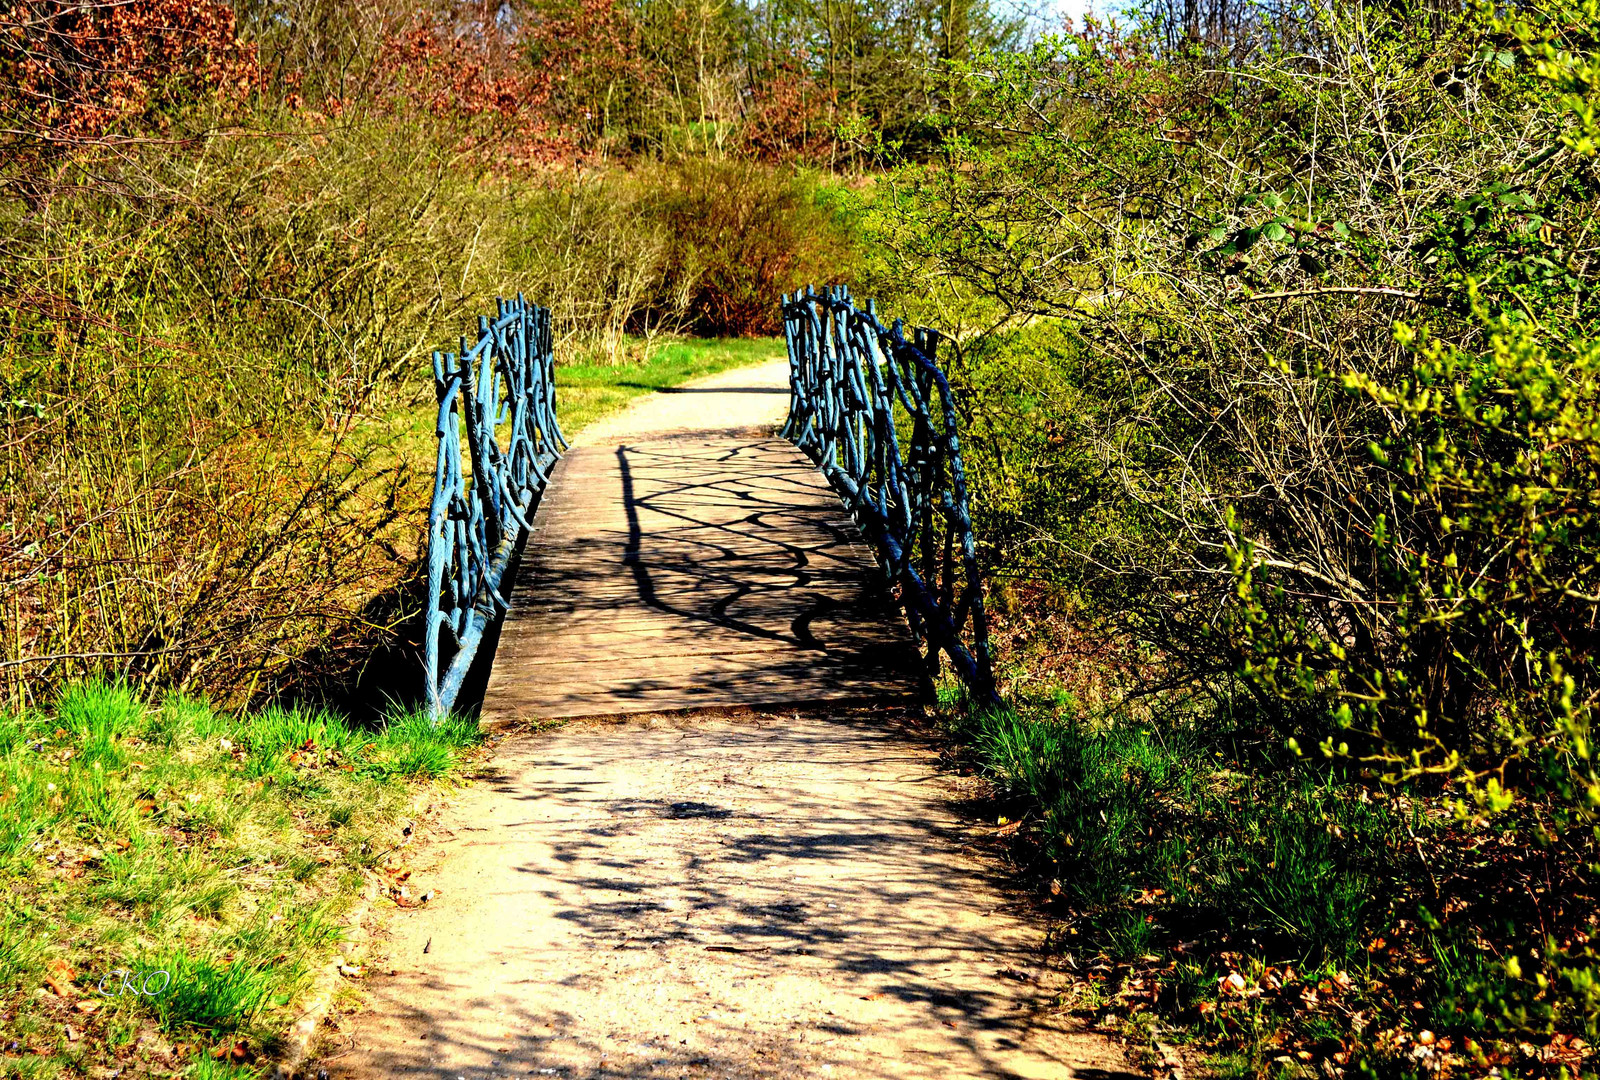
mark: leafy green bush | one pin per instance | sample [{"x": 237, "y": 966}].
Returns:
[
  {"x": 1472, "y": 658},
  {"x": 1304, "y": 385}
]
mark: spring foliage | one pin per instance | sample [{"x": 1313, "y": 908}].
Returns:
[{"x": 1281, "y": 369}]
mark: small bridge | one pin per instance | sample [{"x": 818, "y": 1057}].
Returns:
[
  {"x": 685, "y": 555},
  {"x": 770, "y": 894}
]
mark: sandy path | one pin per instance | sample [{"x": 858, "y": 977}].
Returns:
[
  {"x": 752, "y": 399},
  {"x": 756, "y": 896}
]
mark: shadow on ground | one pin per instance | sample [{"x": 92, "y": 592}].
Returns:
[{"x": 773, "y": 895}]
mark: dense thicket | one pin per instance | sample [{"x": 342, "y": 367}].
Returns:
[{"x": 1279, "y": 368}]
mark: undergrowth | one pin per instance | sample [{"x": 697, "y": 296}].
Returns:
[
  {"x": 170, "y": 837},
  {"x": 1278, "y": 913}
]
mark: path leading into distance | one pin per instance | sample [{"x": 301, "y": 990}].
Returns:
[{"x": 759, "y": 882}]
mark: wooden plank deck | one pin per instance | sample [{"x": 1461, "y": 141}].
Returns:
[{"x": 693, "y": 570}]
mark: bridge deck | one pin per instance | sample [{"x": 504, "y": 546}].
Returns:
[{"x": 672, "y": 568}]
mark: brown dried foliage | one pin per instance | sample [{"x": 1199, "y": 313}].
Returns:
[
  {"x": 791, "y": 116},
  {"x": 82, "y": 74}
]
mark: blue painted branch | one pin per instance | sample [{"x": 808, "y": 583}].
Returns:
[
  {"x": 501, "y": 390},
  {"x": 875, "y": 413}
]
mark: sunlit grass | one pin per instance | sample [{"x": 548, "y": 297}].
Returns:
[{"x": 173, "y": 837}]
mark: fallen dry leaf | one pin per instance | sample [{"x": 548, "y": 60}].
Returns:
[
  {"x": 58, "y": 976},
  {"x": 238, "y": 1052}
]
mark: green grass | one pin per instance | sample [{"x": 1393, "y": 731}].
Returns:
[
  {"x": 585, "y": 392},
  {"x": 1284, "y": 860},
  {"x": 172, "y": 837},
  {"x": 1173, "y": 861}
]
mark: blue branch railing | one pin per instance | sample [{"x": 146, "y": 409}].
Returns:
[
  {"x": 501, "y": 388},
  {"x": 875, "y": 413}
]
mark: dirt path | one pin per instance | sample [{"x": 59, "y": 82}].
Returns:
[
  {"x": 771, "y": 894},
  {"x": 684, "y": 557},
  {"x": 757, "y": 896},
  {"x": 745, "y": 400}
]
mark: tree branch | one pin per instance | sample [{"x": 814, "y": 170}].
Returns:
[{"x": 1371, "y": 290}]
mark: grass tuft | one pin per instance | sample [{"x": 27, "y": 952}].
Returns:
[
  {"x": 100, "y": 714},
  {"x": 214, "y": 994}
]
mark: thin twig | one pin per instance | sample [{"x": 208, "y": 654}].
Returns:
[{"x": 1370, "y": 290}]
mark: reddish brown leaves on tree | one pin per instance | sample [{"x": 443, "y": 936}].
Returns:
[
  {"x": 537, "y": 96},
  {"x": 791, "y": 117},
  {"x": 495, "y": 101},
  {"x": 81, "y": 74}
]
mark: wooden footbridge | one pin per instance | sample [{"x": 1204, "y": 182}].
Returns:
[
  {"x": 673, "y": 568},
  {"x": 780, "y": 897},
  {"x": 686, "y": 555}
]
